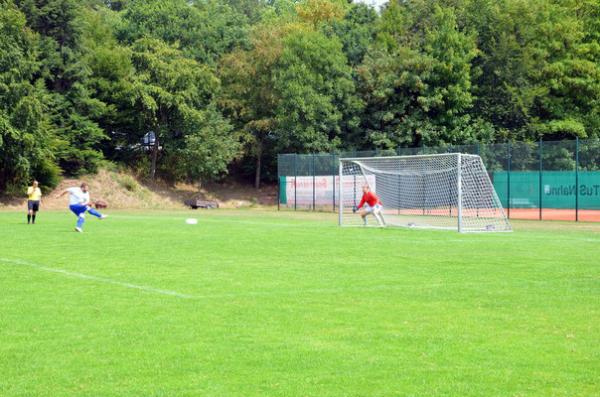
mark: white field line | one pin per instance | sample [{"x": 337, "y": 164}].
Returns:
[
  {"x": 95, "y": 278},
  {"x": 280, "y": 293}
]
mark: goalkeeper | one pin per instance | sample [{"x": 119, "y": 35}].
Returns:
[{"x": 370, "y": 204}]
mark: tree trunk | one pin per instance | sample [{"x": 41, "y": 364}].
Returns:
[
  {"x": 154, "y": 157},
  {"x": 258, "y": 165},
  {"x": 257, "y": 175}
]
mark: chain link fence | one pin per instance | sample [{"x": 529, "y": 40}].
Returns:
[{"x": 545, "y": 180}]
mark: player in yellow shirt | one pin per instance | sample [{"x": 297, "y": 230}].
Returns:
[{"x": 34, "y": 199}]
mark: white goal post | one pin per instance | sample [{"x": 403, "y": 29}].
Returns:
[{"x": 438, "y": 191}]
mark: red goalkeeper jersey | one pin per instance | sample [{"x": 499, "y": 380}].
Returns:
[{"x": 370, "y": 198}]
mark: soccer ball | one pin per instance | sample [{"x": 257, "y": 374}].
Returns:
[{"x": 191, "y": 221}]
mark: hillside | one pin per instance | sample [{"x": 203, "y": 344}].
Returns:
[{"x": 123, "y": 191}]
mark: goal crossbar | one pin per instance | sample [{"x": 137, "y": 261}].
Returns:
[
  {"x": 408, "y": 156},
  {"x": 408, "y": 172}
]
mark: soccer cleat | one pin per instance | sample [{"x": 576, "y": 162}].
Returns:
[
  {"x": 103, "y": 217},
  {"x": 79, "y": 230}
]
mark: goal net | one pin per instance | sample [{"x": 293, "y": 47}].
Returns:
[{"x": 440, "y": 191}]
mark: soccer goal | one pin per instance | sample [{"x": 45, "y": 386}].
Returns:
[{"x": 439, "y": 191}]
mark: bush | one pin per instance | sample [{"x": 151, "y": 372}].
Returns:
[
  {"x": 47, "y": 173},
  {"x": 128, "y": 182}
]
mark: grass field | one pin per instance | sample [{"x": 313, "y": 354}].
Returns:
[{"x": 252, "y": 303}]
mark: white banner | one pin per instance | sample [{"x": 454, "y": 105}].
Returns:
[{"x": 302, "y": 189}]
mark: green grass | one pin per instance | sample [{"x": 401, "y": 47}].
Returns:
[{"x": 284, "y": 304}]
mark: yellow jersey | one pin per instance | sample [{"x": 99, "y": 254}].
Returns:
[{"x": 34, "y": 194}]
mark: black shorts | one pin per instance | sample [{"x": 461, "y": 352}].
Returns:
[{"x": 33, "y": 205}]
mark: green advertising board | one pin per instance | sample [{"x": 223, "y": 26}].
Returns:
[
  {"x": 282, "y": 190},
  {"x": 558, "y": 189}
]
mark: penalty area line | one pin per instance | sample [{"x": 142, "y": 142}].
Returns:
[{"x": 104, "y": 280}]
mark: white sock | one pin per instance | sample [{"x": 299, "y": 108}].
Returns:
[{"x": 380, "y": 219}]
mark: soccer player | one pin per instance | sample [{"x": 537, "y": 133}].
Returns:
[
  {"x": 79, "y": 204},
  {"x": 34, "y": 199},
  {"x": 370, "y": 204}
]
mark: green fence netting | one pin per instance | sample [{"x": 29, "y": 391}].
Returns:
[{"x": 544, "y": 179}]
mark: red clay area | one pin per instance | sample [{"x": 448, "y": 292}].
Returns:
[{"x": 553, "y": 214}]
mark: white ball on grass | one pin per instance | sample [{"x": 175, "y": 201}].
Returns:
[{"x": 191, "y": 221}]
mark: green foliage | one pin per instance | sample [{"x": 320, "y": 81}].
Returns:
[
  {"x": 127, "y": 181},
  {"x": 27, "y": 141},
  {"x": 356, "y": 31},
  {"x": 72, "y": 108},
  {"x": 252, "y": 9},
  {"x": 173, "y": 96},
  {"x": 319, "y": 12},
  {"x": 209, "y": 147},
  {"x": 538, "y": 66},
  {"x": 418, "y": 90},
  {"x": 78, "y": 154},
  {"x": 293, "y": 90},
  {"x": 313, "y": 83},
  {"x": 226, "y": 85},
  {"x": 202, "y": 29}
]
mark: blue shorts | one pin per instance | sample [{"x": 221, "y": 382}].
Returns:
[
  {"x": 33, "y": 205},
  {"x": 78, "y": 209}
]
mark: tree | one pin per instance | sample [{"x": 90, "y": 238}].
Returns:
[
  {"x": 293, "y": 90},
  {"x": 203, "y": 30},
  {"x": 319, "y": 12},
  {"x": 416, "y": 80},
  {"x": 209, "y": 146},
  {"x": 173, "y": 96},
  {"x": 356, "y": 31},
  {"x": 538, "y": 73},
  {"x": 71, "y": 106},
  {"x": 218, "y": 81},
  {"x": 27, "y": 141},
  {"x": 111, "y": 79},
  {"x": 313, "y": 82},
  {"x": 248, "y": 97},
  {"x": 252, "y": 9}
]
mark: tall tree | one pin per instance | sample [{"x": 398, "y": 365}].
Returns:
[
  {"x": 174, "y": 96},
  {"x": 203, "y": 30},
  {"x": 356, "y": 31},
  {"x": 416, "y": 80},
  {"x": 248, "y": 97},
  {"x": 72, "y": 108},
  {"x": 27, "y": 140},
  {"x": 293, "y": 90},
  {"x": 313, "y": 81},
  {"x": 539, "y": 73}
]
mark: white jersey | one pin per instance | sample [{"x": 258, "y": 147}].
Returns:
[{"x": 78, "y": 196}]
